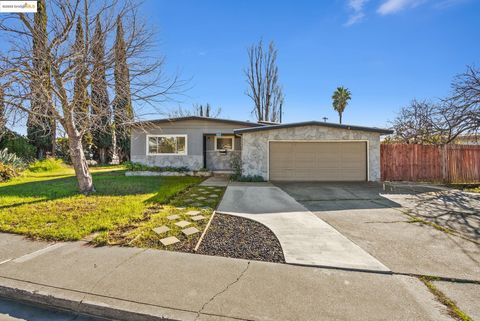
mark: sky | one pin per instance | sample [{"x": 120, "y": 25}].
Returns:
[{"x": 387, "y": 52}]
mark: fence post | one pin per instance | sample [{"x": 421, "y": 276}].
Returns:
[{"x": 443, "y": 150}]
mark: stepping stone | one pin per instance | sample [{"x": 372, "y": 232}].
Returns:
[
  {"x": 181, "y": 208},
  {"x": 193, "y": 195},
  {"x": 193, "y": 213},
  {"x": 205, "y": 192},
  {"x": 169, "y": 240},
  {"x": 198, "y": 218},
  {"x": 183, "y": 223},
  {"x": 201, "y": 198},
  {"x": 161, "y": 229},
  {"x": 173, "y": 217},
  {"x": 190, "y": 231},
  {"x": 213, "y": 195},
  {"x": 188, "y": 200}
]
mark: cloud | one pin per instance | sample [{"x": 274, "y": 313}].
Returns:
[
  {"x": 356, "y": 8},
  {"x": 394, "y": 6}
]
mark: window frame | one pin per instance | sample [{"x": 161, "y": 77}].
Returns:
[
  {"x": 227, "y": 136},
  {"x": 168, "y": 154}
]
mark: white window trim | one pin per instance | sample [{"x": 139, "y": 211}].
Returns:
[
  {"x": 168, "y": 154},
  {"x": 229, "y": 136}
]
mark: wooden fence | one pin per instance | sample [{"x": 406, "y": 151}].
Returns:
[{"x": 449, "y": 163}]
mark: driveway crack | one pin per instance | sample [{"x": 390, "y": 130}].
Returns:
[{"x": 222, "y": 291}]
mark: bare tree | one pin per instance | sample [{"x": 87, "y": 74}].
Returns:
[
  {"x": 461, "y": 110},
  {"x": 442, "y": 122},
  {"x": 417, "y": 123},
  {"x": 66, "y": 60},
  {"x": 262, "y": 78},
  {"x": 196, "y": 110}
]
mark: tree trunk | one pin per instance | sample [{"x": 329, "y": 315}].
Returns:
[
  {"x": 84, "y": 178},
  {"x": 40, "y": 153},
  {"x": 102, "y": 155},
  {"x": 340, "y": 116}
]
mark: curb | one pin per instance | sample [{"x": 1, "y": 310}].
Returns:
[{"x": 88, "y": 304}]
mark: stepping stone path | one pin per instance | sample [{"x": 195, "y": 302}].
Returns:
[
  {"x": 190, "y": 231},
  {"x": 193, "y": 213},
  {"x": 182, "y": 223},
  {"x": 161, "y": 229},
  {"x": 198, "y": 218},
  {"x": 169, "y": 240},
  {"x": 173, "y": 217}
]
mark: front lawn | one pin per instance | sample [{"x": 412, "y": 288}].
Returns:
[{"x": 47, "y": 205}]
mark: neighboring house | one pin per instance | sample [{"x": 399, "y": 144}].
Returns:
[{"x": 306, "y": 151}]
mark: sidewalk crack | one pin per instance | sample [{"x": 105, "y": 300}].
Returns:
[
  {"x": 107, "y": 274},
  {"x": 222, "y": 291}
]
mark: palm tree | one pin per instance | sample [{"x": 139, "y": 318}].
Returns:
[{"x": 340, "y": 97}]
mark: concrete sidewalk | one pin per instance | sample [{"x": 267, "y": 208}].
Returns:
[
  {"x": 305, "y": 239},
  {"x": 138, "y": 284}
]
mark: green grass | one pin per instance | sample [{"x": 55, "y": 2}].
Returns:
[
  {"x": 47, "y": 204},
  {"x": 452, "y": 307},
  {"x": 473, "y": 190},
  {"x": 140, "y": 232}
]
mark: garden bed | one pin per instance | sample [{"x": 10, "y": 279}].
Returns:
[
  {"x": 242, "y": 238},
  {"x": 169, "y": 173}
]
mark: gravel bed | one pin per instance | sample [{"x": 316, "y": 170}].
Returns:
[{"x": 242, "y": 238}]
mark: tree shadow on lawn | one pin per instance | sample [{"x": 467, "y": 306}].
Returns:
[{"x": 106, "y": 184}]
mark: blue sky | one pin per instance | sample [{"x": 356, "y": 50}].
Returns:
[{"x": 386, "y": 52}]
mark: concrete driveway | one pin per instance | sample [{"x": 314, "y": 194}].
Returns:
[
  {"x": 375, "y": 218},
  {"x": 305, "y": 239}
]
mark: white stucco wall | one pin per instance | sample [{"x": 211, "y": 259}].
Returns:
[{"x": 255, "y": 146}]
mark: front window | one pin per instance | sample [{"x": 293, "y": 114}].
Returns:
[
  {"x": 224, "y": 143},
  {"x": 167, "y": 144}
]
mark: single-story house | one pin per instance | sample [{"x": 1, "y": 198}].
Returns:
[{"x": 305, "y": 151}]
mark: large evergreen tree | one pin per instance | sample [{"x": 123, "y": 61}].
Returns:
[
  {"x": 122, "y": 104},
  {"x": 102, "y": 138},
  {"x": 40, "y": 129},
  {"x": 3, "y": 120},
  {"x": 80, "y": 95}
]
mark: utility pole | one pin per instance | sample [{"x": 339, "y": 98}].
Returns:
[{"x": 325, "y": 119}]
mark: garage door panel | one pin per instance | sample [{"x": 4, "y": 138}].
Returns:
[{"x": 318, "y": 161}]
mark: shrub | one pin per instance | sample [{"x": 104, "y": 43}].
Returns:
[
  {"x": 138, "y": 167},
  {"x": 11, "y": 159},
  {"x": 249, "y": 178},
  {"x": 46, "y": 165},
  {"x": 62, "y": 150},
  {"x": 7, "y": 172},
  {"x": 18, "y": 145},
  {"x": 236, "y": 165}
]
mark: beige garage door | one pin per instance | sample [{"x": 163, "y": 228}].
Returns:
[{"x": 318, "y": 161}]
